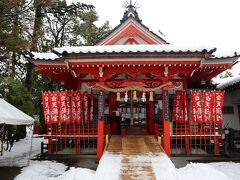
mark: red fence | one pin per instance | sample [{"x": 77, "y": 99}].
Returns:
[
  {"x": 71, "y": 123},
  {"x": 198, "y": 131}
]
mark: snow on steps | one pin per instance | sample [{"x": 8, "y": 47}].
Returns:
[{"x": 137, "y": 154}]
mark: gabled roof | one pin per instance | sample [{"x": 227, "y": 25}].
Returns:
[{"x": 131, "y": 26}]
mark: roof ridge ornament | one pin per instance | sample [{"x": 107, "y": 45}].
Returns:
[{"x": 131, "y": 11}]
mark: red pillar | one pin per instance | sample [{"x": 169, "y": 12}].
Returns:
[
  {"x": 187, "y": 141},
  {"x": 78, "y": 150},
  {"x": 100, "y": 139},
  {"x": 216, "y": 146},
  {"x": 100, "y": 134},
  {"x": 166, "y": 122},
  {"x": 150, "y": 116},
  {"x": 50, "y": 145},
  {"x": 112, "y": 108}
]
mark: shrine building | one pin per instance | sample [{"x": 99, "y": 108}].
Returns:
[{"x": 133, "y": 82}]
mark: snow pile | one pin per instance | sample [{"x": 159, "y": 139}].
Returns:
[
  {"x": 77, "y": 173},
  {"x": 19, "y": 154},
  {"x": 199, "y": 171},
  {"x": 230, "y": 169},
  {"x": 42, "y": 170},
  {"x": 109, "y": 169}
]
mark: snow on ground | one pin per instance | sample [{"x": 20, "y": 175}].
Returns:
[
  {"x": 230, "y": 169},
  {"x": 110, "y": 165},
  {"x": 19, "y": 154},
  {"x": 109, "y": 169},
  {"x": 42, "y": 170}
]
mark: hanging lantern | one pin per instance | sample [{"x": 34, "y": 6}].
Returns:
[
  {"x": 143, "y": 97},
  {"x": 151, "y": 96},
  {"x": 126, "y": 97},
  {"x": 135, "y": 95},
  {"x": 118, "y": 96}
]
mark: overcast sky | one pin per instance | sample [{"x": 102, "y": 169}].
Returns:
[{"x": 199, "y": 22}]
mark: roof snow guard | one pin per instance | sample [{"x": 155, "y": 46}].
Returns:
[{"x": 113, "y": 49}]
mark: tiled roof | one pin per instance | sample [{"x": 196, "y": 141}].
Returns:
[{"x": 132, "y": 49}]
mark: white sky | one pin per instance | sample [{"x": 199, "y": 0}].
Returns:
[{"x": 199, "y": 22}]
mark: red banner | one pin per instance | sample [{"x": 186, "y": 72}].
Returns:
[
  {"x": 196, "y": 106},
  {"x": 178, "y": 106},
  {"x": 218, "y": 106},
  {"x": 185, "y": 106},
  {"x": 76, "y": 107},
  {"x": 54, "y": 108},
  {"x": 63, "y": 109},
  {"x": 85, "y": 106},
  {"x": 207, "y": 106},
  {"x": 69, "y": 108},
  {"x": 91, "y": 107},
  {"x": 46, "y": 107}
]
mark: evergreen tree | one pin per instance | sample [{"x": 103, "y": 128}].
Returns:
[{"x": 16, "y": 94}]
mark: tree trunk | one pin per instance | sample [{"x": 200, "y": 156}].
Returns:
[{"x": 37, "y": 33}]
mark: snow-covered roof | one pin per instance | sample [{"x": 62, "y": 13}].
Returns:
[
  {"x": 226, "y": 82},
  {"x": 44, "y": 56},
  {"x": 224, "y": 53},
  {"x": 13, "y": 116},
  {"x": 133, "y": 49}
]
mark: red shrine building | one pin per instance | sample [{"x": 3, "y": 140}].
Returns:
[{"x": 133, "y": 82}]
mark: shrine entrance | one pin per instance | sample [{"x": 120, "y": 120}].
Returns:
[{"x": 132, "y": 114}]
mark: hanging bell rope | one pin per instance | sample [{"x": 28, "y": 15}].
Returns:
[
  {"x": 151, "y": 96},
  {"x": 126, "y": 96},
  {"x": 134, "y": 88},
  {"x": 135, "y": 95},
  {"x": 143, "y": 97},
  {"x": 118, "y": 96}
]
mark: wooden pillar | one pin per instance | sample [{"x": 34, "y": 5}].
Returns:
[
  {"x": 187, "y": 141},
  {"x": 150, "y": 106},
  {"x": 50, "y": 145},
  {"x": 100, "y": 134},
  {"x": 166, "y": 121},
  {"x": 113, "y": 107},
  {"x": 216, "y": 146}
]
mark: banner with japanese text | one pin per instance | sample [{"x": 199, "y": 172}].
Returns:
[
  {"x": 218, "y": 106},
  {"x": 91, "y": 107},
  {"x": 178, "y": 106},
  {"x": 85, "y": 106},
  {"x": 185, "y": 106},
  {"x": 101, "y": 105},
  {"x": 46, "y": 107},
  {"x": 54, "y": 108},
  {"x": 196, "y": 106},
  {"x": 76, "y": 107},
  {"x": 63, "y": 110},
  {"x": 207, "y": 106}
]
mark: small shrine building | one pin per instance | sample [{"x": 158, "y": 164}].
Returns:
[{"x": 133, "y": 82}]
